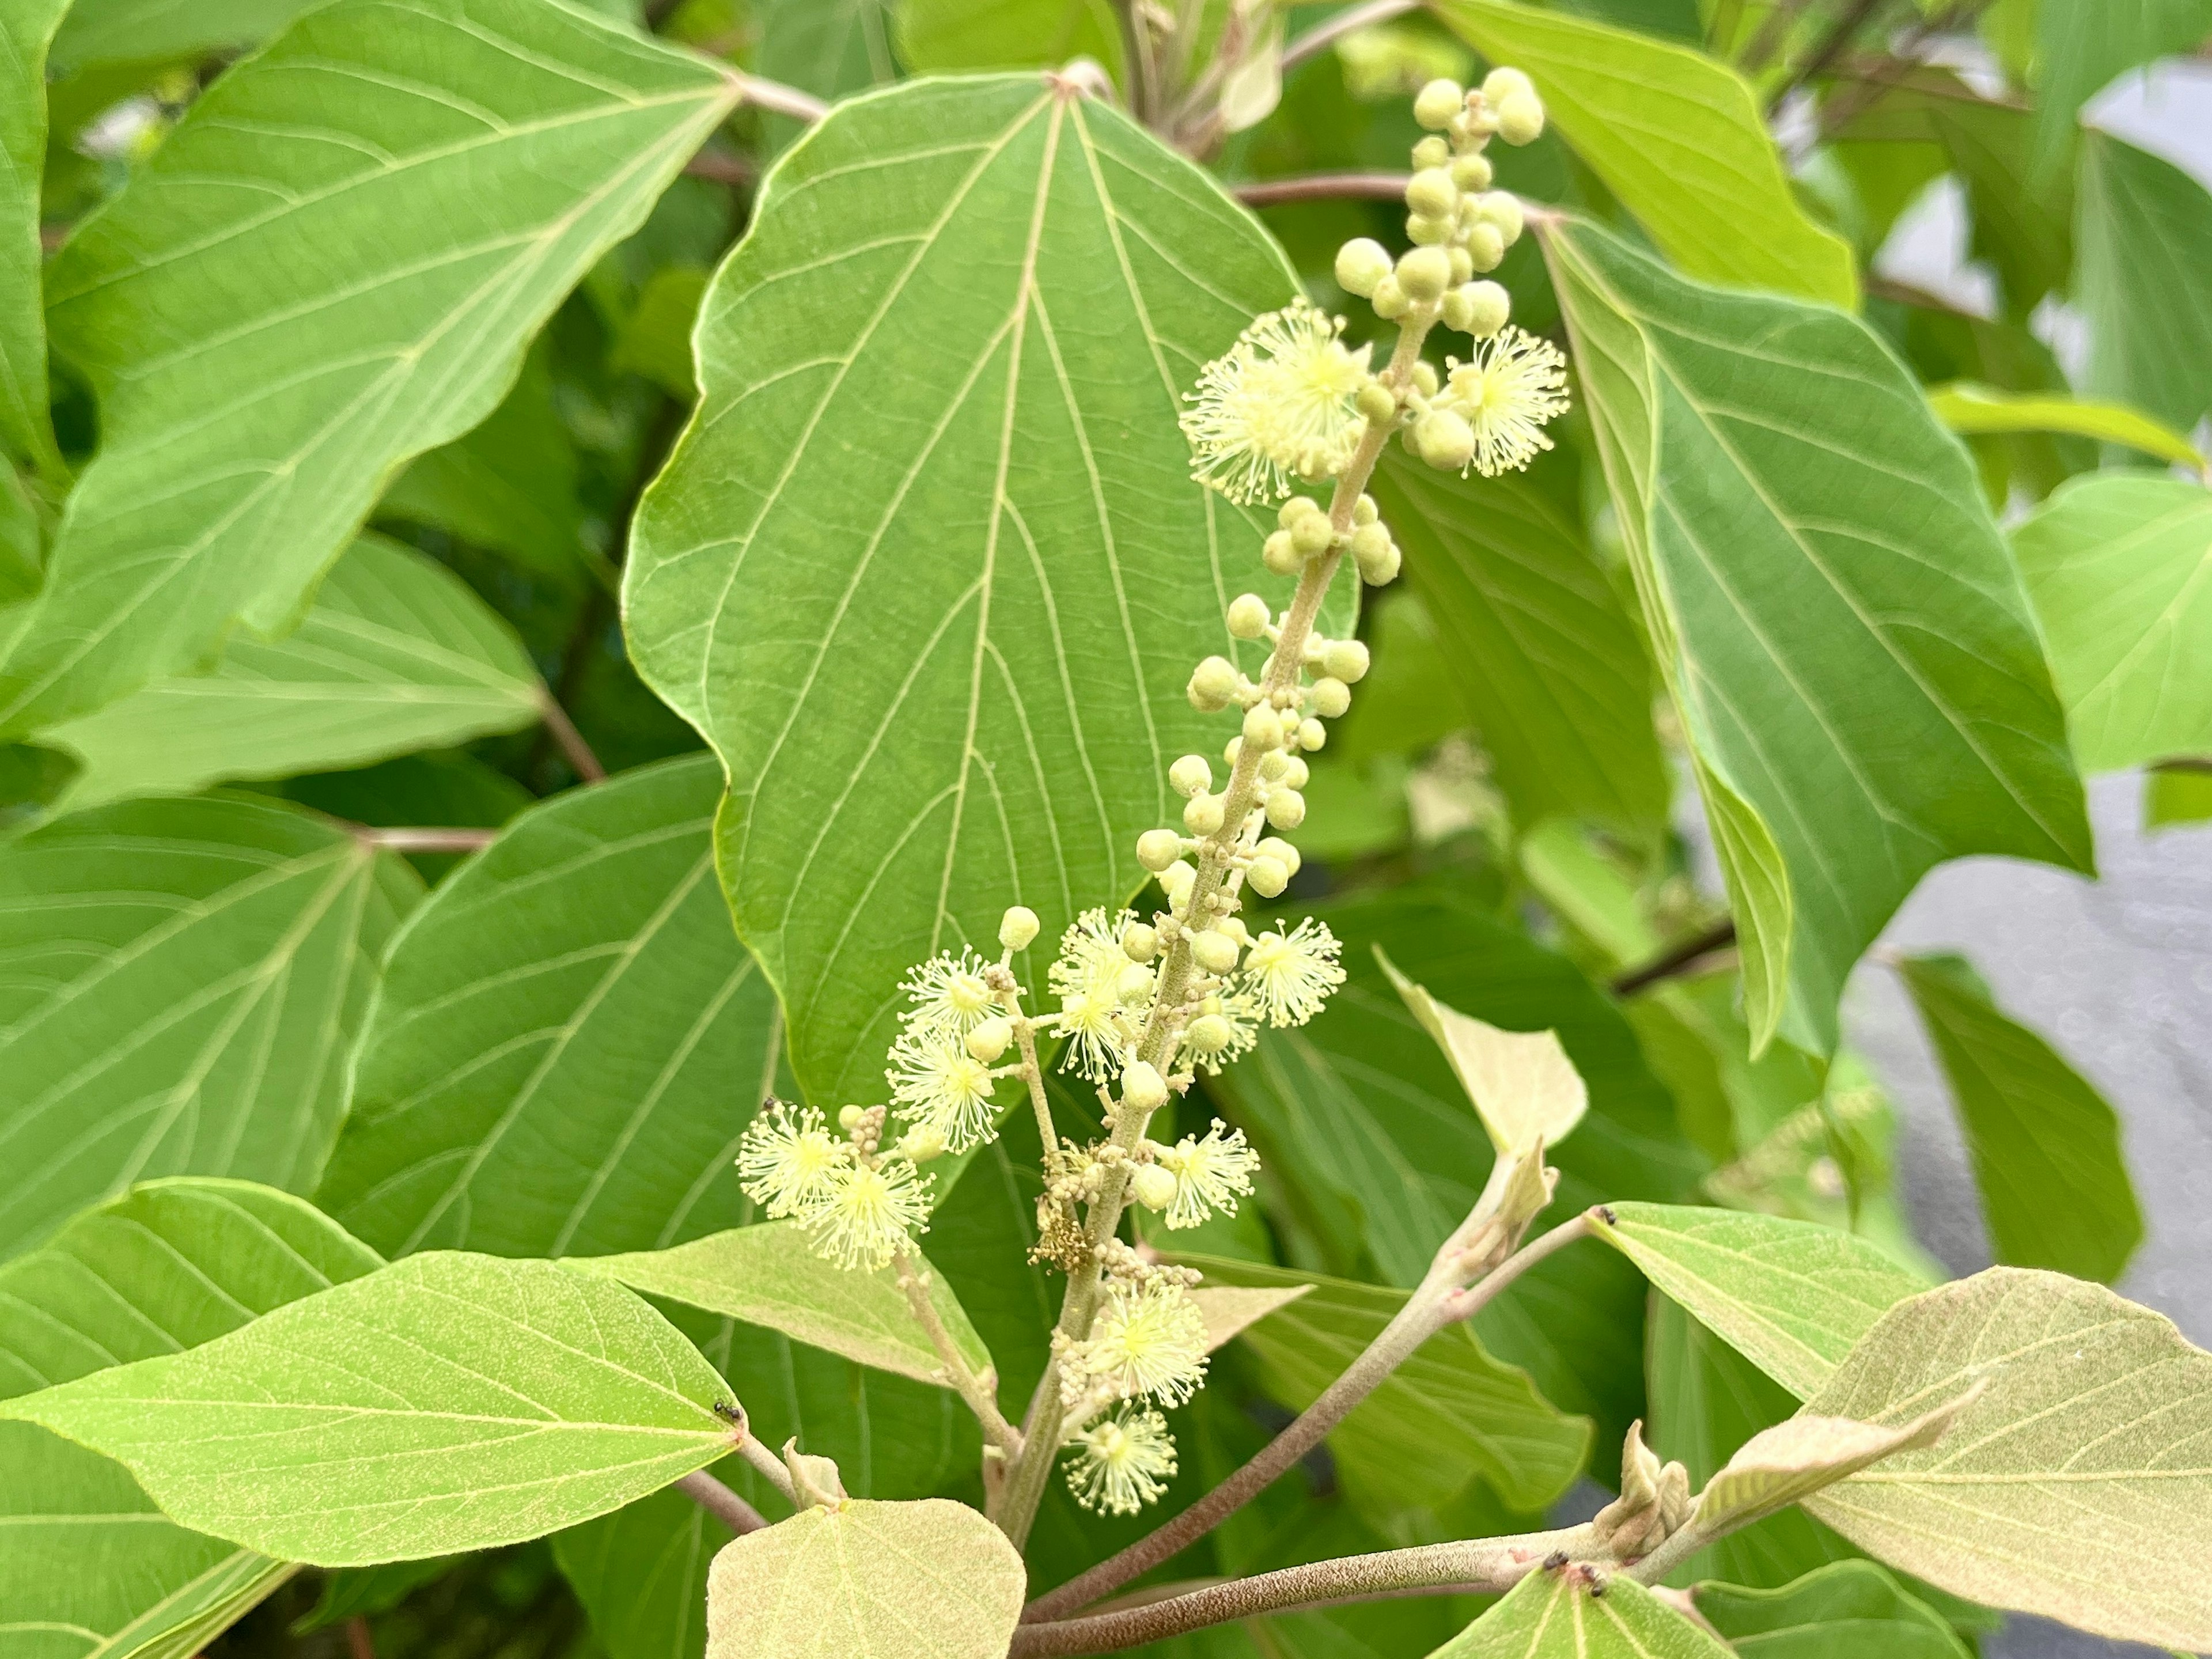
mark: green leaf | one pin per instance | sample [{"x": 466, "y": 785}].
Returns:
[
  {"x": 2082, "y": 48},
  {"x": 831, "y": 48},
  {"x": 1002, "y": 34},
  {"x": 961, "y": 688},
  {"x": 2081, "y": 1465},
  {"x": 932, "y": 1580},
  {"x": 361, "y": 1592},
  {"x": 1448, "y": 1414},
  {"x": 1848, "y": 1609},
  {"x": 1678, "y": 138},
  {"x": 1789, "y": 1296},
  {"x": 186, "y": 980},
  {"x": 2145, "y": 282},
  {"x": 568, "y": 1042},
  {"x": 167, "y": 1265},
  {"x": 397, "y": 653},
  {"x": 1967, "y": 408},
  {"x": 1534, "y": 640},
  {"x": 2176, "y": 797},
  {"x": 25, "y": 30},
  {"x": 641, "y": 1575},
  {"x": 1790, "y": 1462},
  {"x": 1835, "y": 614},
  {"x": 1521, "y": 1084},
  {"x": 158, "y": 31},
  {"x": 656, "y": 336},
  {"x": 1558, "y": 1616},
  {"x": 347, "y": 258},
  {"x": 447, "y": 1402},
  {"x": 2119, "y": 567},
  {"x": 769, "y": 1274},
  {"x": 2045, "y": 1145}
]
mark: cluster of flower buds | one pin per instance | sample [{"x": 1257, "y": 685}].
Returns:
[{"x": 1147, "y": 1343}]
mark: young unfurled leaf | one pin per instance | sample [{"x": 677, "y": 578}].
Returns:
[
  {"x": 1524, "y": 1088},
  {"x": 926, "y": 1580},
  {"x": 447, "y": 1402},
  {"x": 769, "y": 1274},
  {"x": 1842, "y": 1611},
  {"x": 1792, "y": 1297},
  {"x": 2075, "y": 1480},
  {"x": 1563, "y": 1616},
  {"x": 1968, "y": 408},
  {"x": 1789, "y": 1462}
]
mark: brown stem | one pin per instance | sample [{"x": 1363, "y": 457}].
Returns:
[
  {"x": 720, "y": 167},
  {"x": 571, "y": 741},
  {"x": 1830, "y": 47},
  {"x": 774, "y": 96},
  {"x": 1482, "y": 1566},
  {"x": 1343, "y": 23},
  {"x": 358, "y": 1642},
  {"x": 1439, "y": 1302},
  {"x": 424, "y": 841},
  {"x": 718, "y": 1501},
  {"x": 1318, "y": 187},
  {"x": 965, "y": 1383},
  {"x": 1721, "y": 933},
  {"x": 2185, "y": 764}
]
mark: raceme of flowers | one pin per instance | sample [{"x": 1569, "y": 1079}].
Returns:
[{"x": 1143, "y": 1000}]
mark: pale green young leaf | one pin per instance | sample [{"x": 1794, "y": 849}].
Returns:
[
  {"x": 26, "y": 29},
  {"x": 926, "y": 1580},
  {"x": 1790, "y": 1462},
  {"x": 184, "y": 980},
  {"x": 154, "y": 31},
  {"x": 1231, "y": 1309},
  {"x": 447, "y": 1402},
  {"x": 1678, "y": 138},
  {"x": 2119, "y": 565},
  {"x": 2145, "y": 280},
  {"x": 1534, "y": 640},
  {"x": 1448, "y": 1414},
  {"x": 2045, "y": 1145},
  {"x": 397, "y": 653},
  {"x": 1559, "y": 1616},
  {"x": 1835, "y": 613},
  {"x": 935, "y": 35},
  {"x": 332, "y": 265},
  {"x": 2070, "y": 1486},
  {"x": 1791, "y": 1297},
  {"x": 575, "y": 987},
  {"x": 1524, "y": 1088},
  {"x": 1836, "y": 1611},
  {"x": 967, "y": 313},
  {"x": 769, "y": 1274},
  {"x": 1968, "y": 408}
]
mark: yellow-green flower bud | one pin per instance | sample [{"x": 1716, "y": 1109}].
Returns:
[
  {"x": 1458, "y": 310},
  {"x": 1152, "y": 1187},
  {"x": 1428, "y": 232},
  {"x": 1369, "y": 541},
  {"x": 849, "y": 1117},
  {"x": 1190, "y": 776},
  {"x": 1431, "y": 152},
  {"x": 1445, "y": 440},
  {"x": 1202, "y": 814},
  {"x": 1280, "y": 555},
  {"x": 1377, "y": 572},
  {"x": 1267, "y": 877},
  {"x": 1473, "y": 171},
  {"x": 1363, "y": 511},
  {"x": 1274, "y": 846},
  {"x": 1212, "y": 684},
  {"x": 1263, "y": 727},
  {"x": 1436, "y": 104},
  {"x": 1425, "y": 379},
  {"x": 1502, "y": 208},
  {"x": 1158, "y": 848},
  {"x": 922, "y": 1143},
  {"x": 1133, "y": 985},
  {"x": 1231, "y": 750},
  {"x": 1331, "y": 697},
  {"x": 1389, "y": 299},
  {"x": 1140, "y": 942},
  {"x": 1361, "y": 264},
  {"x": 1286, "y": 809},
  {"x": 1142, "y": 1086},
  {"x": 1273, "y": 765},
  {"x": 1249, "y": 616},
  {"x": 1311, "y": 732},
  {"x": 1504, "y": 82},
  {"x": 1209, "y": 1034},
  {"x": 987, "y": 1039},
  {"x": 1425, "y": 273},
  {"x": 1461, "y": 266},
  {"x": 1215, "y": 952},
  {"x": 1347, "y": 660},
  {"x": 1298, "y": 774},
  {"x": 1485, "y": 245},
  {"x": 1375, "y": 401},
  {"x": 1521, "y": 120},
  {"x": 1313, "y": 535},
  {"x": 1018, "y": 927},
  {"x": 1430, "y": 191},
  {"x": 1488, "y": 306}
]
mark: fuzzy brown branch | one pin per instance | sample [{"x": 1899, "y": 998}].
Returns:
[
  {"x": 1717, "y": 936},
  {"x": 571, "y": 741},
  {"x": 415, "y": 840},
  {"x": 1321, "y": 187},
  {"x": 718, "y": 1501}
]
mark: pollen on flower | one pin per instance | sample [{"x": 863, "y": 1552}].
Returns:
[
  {"x": 1149, "y": 1339},
  {"x": 948, "y": 993},
  {"x": 1289, "y": 976},
  {"x": 787, "y": 1158},
  {"x": 1210, "y": 1174},
  {"x": 1516, "y": 383},
  {"x": 939, "y": 1085},
  {"x": 1122, "y": 1462},
  {"x": 871, "y": 1213},
  {"x": 1282, "y": 405}
]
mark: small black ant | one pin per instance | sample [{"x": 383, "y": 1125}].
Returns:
[
  {"x": 730, "y": 1413},
  {"x": 1555, "y": 1560}
]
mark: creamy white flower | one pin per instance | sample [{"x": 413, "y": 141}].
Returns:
[
  {"x": 1516, "y": 383},
  {"x": 1149, "y": 1339},
  {"x": 871, "y": 1214},
  {"x": 1210, "y": 1174},
  {"x": 1122, "y": 1462},
  {"x": 939, "y": 1085},
  {"x": 948, "y": 994},
  {"x": 787, "y": 1158},
  {"x": 1087, "y": 978},
  {"x": 1289, "y": 976},
  {"x": 1281, "y": 405},
  {"x": 1225, "y": 1028}
]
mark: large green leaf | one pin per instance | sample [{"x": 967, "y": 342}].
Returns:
[
  {"x": 1534, "y": 641},
  {"x": 831, "y": 48},
  {"x": 2119, "y": 567},
  {"x": 447, "y": 1402},
  {"x": 964, "y": 319},
  {"x": 1837, "y": 1612},
  {"x": 154, "y": 31},
  {"x": 1550, "y": 1615},
  {"x": 397, "y": 653},
  {"x": 167, "y": 1265},
  {"x": 184, "y": 979},
  {"x": 2082, "y": 48},
  {"x": 568, "y": 1042},
  {"x": 1835, "y": 613},
  {"x": 2045, "y": 1145},
  {"x": 973, "y": 34},
  {"x": 26, "y": 29},
  {"x": 2145, "y": 283},
  {"x": 2081, "y": 1461},
  {"x": 1447, "y": 1414},
  {"x": 331, "y": 265},
  {"x": 1677, "y": 137},
  {"x": 1791, "y": 1297}
]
